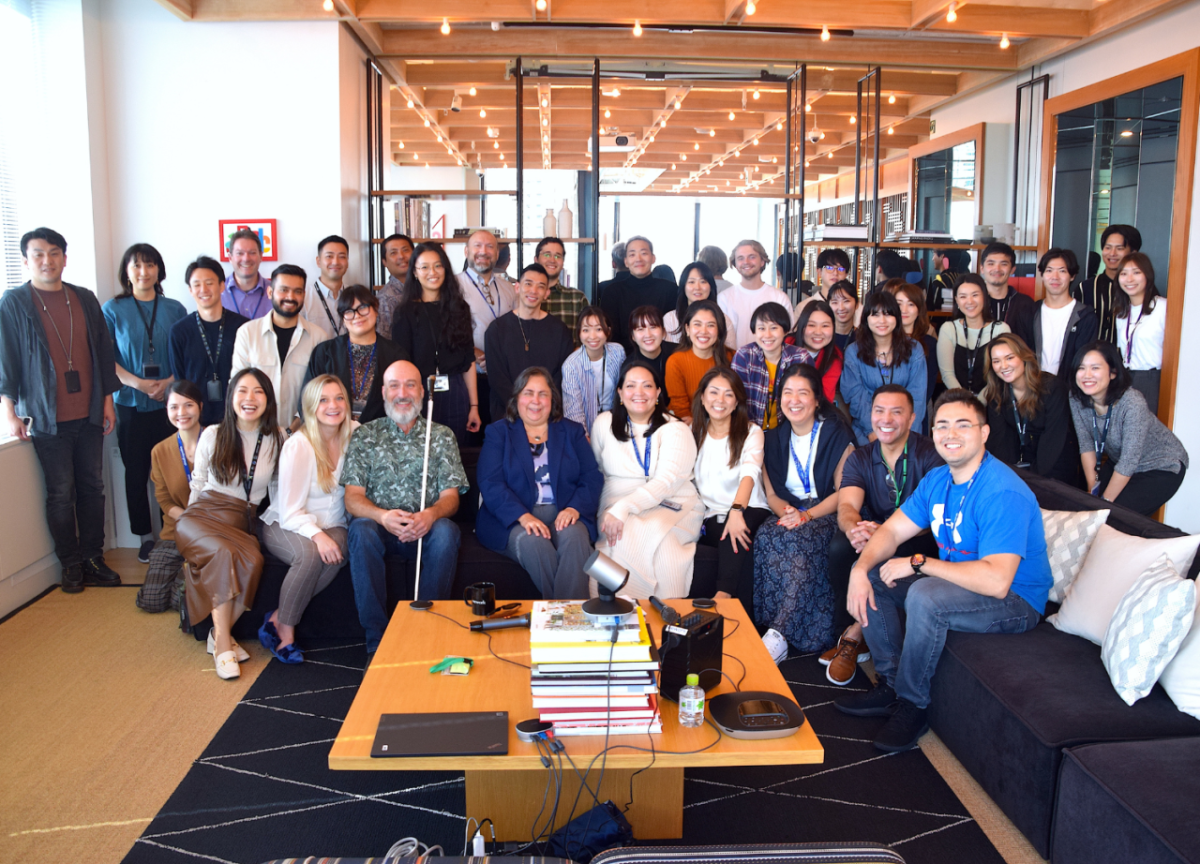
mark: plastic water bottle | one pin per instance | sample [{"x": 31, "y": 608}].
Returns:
[{"x": 691, "y": 702}]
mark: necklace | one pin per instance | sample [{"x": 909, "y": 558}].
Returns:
[{"x": 523, "y": 336}]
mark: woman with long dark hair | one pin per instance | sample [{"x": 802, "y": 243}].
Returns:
[
  {"x": 1140, "y": 319},
  {"x": 961, "y": 342},
  {"x": 695, "y": 283},
  {"x": 139, "y": 320},
  {"x": 650, "y": 514},
  {"x": 815, "y": 332},
  {"x": 914, "y": 318},
  {"x": 881, "y": 354},
  {"x": 803, "y": 459},
  {"x": 729, "y": 479},
  {"x": 1129, "y": 456},
  {"x": 1028, "y": 412},
  {"x": 433, "y": 324},
  {"x": 217, "y": 533},
  {"x": 701, "y": 347}
]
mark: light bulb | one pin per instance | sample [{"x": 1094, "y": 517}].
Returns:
[
  {"x": 853, "y": 119},
  {"x": 892, "y": 99},
  {"x": 505, "y": 164},
  {"x": 495, "y": 145},
  {"x": 952, "y": 15},
  {"x": 651, "y": 139},
  {"x": 1003, "y": 40},
  {"x": 545, "y": 121},
  {"x": 822, "y": 138},
  {"x": 472, "y": 91},
  {"x": 678, "y": 104},
  {"x": 891, "y": 131},
  {"x": 829, "y": 154},
  {"x": 664, "y": 123},
  {"x": 327, "y": 5},
  {"x": 541, "y": 5},
  {"x": 427, "y": 122},
  {"x": 712, "y": 133},
  {"x": 410, "y": 103},
  {"x": 779, "y": 126},
  {"x": 807, "y": 108},
  {"x": 824, "y": 34},
  {"x": 683, "y": 156},
  {"x": 756, "y": 94},
  {"x": 445, "y": 26},
  {"x": 672, "y": 166},
  {"x": 482, "y": 112},
  {"x": 696, "y": 146},
  {"x": 637, "y": 28},
  {"x": 607, "y": 113},
  {"x": 545, "y": 102},
  {"x": 426, "y": 164},
  {"x": 401, "y": 145},
  {"x": 755, "y": 142},
  {"x": 731, "y": 117},
  {"x": 416, "y": 156},
  {"x": 502, "y": 159},
  {"x": 750, "y": 7},
  {"x": 806, "y": 163}
]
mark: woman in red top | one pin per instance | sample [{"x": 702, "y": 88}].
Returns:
[{"x": 814, "y": 335}]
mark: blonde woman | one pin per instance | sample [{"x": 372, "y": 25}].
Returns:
[{"x": 306, "y": 522}]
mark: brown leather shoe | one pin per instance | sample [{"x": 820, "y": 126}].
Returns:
[
  {"x": 863, "y": 654},
  {"x": 844, "y": 664}
]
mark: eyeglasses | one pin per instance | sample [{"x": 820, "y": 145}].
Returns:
[
  {"x": 431, "y": 268},
  {"x": 833, "y": 268},
  {"x": 960, "y": 426},
  {"x": 357, "y": 312},
  {"x": 551, "y": 256}
]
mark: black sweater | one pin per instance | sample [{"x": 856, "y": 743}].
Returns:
[
  {"x": 619, "y": 297},
  {"x": 511, "y": 345},
  {"x": 1052, "y": 449}
]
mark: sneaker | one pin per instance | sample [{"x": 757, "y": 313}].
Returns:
[
  {"x": 227, "y": 665},
  {"x": 144, "y": 552},
  {"x": 880, "y": 701},
  {"x": 903, "y": 729},
  {"x": 238, "y": 650},
  {"x": 841, "y": 669},
  {"x": 72, "y": 579},
  {"x": 863, "y": 654},
  {"x": 96, "y": 572},
  {"x": 776, "y": 645}
]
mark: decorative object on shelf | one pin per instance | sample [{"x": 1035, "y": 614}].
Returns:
[
  {"x": 549, "y": 224},
  {"x": 566, "y": 221},
  {"x": 266, "y": 229}
]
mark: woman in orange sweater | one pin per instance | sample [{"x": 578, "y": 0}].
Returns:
[{"x": 701, "y": 346}]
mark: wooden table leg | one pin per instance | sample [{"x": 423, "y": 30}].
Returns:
[{"x": 511, "y": 799}]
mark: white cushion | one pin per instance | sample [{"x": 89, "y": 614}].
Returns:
[
  {"x": 1181, "y": 678},
  {"x": 1147, "y": 629},
  {"x": 1114, "y": 563},
  {"x": 1069, "y": 536}
]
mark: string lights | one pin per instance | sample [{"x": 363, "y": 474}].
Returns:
[
  {"x": 445, "y": 26},
  {"x": 952, "y": 13},
  {"x": 824, "y": 33},
  {"x": 637, "y": 28}
]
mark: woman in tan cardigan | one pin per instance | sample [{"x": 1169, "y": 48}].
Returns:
[{"x": 171, "y": 463}]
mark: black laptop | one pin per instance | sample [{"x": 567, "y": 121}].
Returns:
[{"x": 468, "y": 733}]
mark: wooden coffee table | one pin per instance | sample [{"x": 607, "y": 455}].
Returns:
[{"x": 509, "y": 789}]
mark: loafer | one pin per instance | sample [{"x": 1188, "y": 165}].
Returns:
[
  {"x": 144, "y": 552},
  {"x": 288, "y": 654},
  {"x": 98, "y": 573},
  {"x": 238, "y": 650},
  {"x": 776, "y": 646},
  {"x": 227, "y": 665},
  {"x": 841, "y": 669},
  {"x": 72, "y": 579},
  {"x": 903, "y": 729},
  {"x": 863, "y": 653},
  {"x": 268, "y": 635},
  {"x": 880, "y": 701}
]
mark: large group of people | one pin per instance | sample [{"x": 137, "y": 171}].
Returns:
[{"x": 828, "y": 450}]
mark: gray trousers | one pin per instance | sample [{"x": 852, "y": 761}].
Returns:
[
  {"x": 555, "y": 565},
  {"x": 307, "y": 574}
]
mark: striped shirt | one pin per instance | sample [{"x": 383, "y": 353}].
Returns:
[{"x": 582, "y": 391}]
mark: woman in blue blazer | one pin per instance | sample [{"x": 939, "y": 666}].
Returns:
[{"x": 541, "y": 489}]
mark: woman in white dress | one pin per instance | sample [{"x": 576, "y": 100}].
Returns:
[{"x": 650, "y": 512}]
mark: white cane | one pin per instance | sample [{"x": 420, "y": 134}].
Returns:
[{"x": 418, "y": 604}]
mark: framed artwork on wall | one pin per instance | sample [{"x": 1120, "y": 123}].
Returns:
[{"x": 265, "y": 229}]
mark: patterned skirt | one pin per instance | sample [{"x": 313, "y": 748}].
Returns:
[{"x": 791, "y": 590}]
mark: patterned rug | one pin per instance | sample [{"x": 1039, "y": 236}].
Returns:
[{"x": 261, "y": 790}]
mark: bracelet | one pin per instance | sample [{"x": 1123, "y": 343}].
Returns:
[{"x": 474, "y": 405}]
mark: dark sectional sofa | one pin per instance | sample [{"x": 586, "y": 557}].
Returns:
[{"x": 1036, "y": 721}]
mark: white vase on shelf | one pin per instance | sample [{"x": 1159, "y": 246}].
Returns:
[
  {"x": 549, "y": 224},
  {"x": 566, "y": 221}
]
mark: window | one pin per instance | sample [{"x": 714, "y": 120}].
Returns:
[{"x": 16, "y": 59}]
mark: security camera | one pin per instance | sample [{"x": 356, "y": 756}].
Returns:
[
  {"x": 814, "y": 135},
  {"x": 456, "y": 103}
]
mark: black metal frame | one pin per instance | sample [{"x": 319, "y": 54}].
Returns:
[
  {"x": 873, "y": 78},
  {"x": 1044, "y": 80},
  {"x": 375, "y": 170}
]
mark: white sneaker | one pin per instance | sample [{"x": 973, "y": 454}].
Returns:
[
  {"x": 227, "y": 665},
  {"x": 776, "y": 646},
  {"x": 238, "y": 650}
]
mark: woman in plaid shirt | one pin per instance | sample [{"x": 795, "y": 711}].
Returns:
[{"x": 759, "y": 363}]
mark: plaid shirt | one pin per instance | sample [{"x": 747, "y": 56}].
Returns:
[
  {"x": 565, "y": 304},
  {"x": 751, "y": 366}
]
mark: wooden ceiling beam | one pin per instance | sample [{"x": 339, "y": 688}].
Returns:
[{"x": 1028, "y": 21}]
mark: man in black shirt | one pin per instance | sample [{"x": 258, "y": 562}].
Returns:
[
  {"x": 527, "y": 336},
  {"x": 996, "y": 265},
  {"x": 1116, "y": 242},
  {"x": 202, "y": 343},
  {"x": 620, "y": 296},
  {"x": 876, "y": 480}
]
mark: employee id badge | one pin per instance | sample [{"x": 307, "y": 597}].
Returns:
[
  {"x": 151, "y": 370},
  {"x": 214, "y": 391},
  {"x": 71, "y": 377},
  {"x": 441, "y": 383}
]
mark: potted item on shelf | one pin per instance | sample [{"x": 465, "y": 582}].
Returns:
[
  {"x": 566, "y": 221},
  {"x": 549, "y": 224}
]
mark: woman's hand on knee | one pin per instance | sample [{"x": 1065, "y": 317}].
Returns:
[
  {"x": 612, "y": 528},
  {"x": 566, "y": 517},
  {"x": 534, "y": 526},
  {"x": 329, "y": 551}
]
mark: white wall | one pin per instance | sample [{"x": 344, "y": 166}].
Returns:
[{"x": 1167, "y": 34}]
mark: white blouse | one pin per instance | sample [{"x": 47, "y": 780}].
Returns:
[
  {"x": 1146, "y": 333},
  {"x": 718, "y": 483},
  {"x": 204, "y": 481},
  {"x": 299, "y": 504},
  {"x": 628, "y": 490},
  {"x": 673, "y": 330}
]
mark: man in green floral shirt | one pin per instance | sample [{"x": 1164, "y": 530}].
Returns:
[{"x": 382, "y": 476}]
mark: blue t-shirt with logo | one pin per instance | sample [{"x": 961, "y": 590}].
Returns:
[{"x": 999, "y": 516}]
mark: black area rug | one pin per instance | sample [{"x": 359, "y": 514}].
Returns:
[{"x": 262, "y": 788}]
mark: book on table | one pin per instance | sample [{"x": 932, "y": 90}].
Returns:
[
  {"x": 618, "y": 716},
  {"x": 586, "y": 650},
  {"x": 559, "y": 621}
]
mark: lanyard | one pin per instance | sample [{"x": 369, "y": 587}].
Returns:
[
  {"x": 1022, "y": 428},
  {"x": 1129, "y": 336},
  {"x": 212, "y": 358},
  {"x": 645, "y": 463},
  {"x": 149, "y": 325},
  {"x": 973, "y": 353},
  {"x": 248, "y": 483},
  {"x": 246, "y": 295},
  {"x": 183, "y": 456},
  {"x": 804, "y": 472},
  {"x": 881, "y": 367},
  {"x": 69, "y": 351},
  {"x": 951, "y": 522},
  {"x": 487, "y": 298},
  {"x": 603, "y": 379},
  {"x": 356, "y": 393},
  {"x": 325, "y": 306},
  {"x": 898, "y": 488},
  {"x": 1100, "y": 440}
]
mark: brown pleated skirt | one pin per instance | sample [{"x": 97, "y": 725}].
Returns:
[{"x": 213, "y": 537}]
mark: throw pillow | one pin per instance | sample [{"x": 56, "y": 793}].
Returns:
[
  {"x": 1181, "y": 678},
  {"x": 1147, "y": 629},
  {"x": 1069, "y": 536},
  {"x": 1114, "y": 563}
]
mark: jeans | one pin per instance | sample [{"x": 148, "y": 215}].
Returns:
[
  {"x": 72, "y": 462},
  {"x": 842, "y": 558},
  {"x": 907, "y": 660},
  {"x": 370, "y": 542},
  {"x": 555, "y": 565}
]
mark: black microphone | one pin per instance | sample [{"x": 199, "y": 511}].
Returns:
[
  {"x": 500, "y": 623},
  {"x": 669, "y": 615}
]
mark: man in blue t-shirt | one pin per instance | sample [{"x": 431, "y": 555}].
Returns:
[{"x": 993, "y": 575}]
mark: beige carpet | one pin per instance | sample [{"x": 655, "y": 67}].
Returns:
[{"x": 105, "y": 708}]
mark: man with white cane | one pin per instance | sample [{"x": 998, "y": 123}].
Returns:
[{"x": 403, "y": 476}]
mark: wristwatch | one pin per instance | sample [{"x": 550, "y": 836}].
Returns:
[
  {"x": 737, "y": 507},
  {"x": 916, "y": 562}
]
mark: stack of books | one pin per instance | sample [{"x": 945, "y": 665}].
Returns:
[
  {"x": 848, "y": 231},
  {"x": 578, "y": 686}
]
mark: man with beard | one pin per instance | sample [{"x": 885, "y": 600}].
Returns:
[
  {"x": 489, "y": 297},
  {"x": 739, "y": 301},
  {"x": 281, "y": 343},
  {"x": 382, "y": 476},
  {"x": 622, "y": 294}
]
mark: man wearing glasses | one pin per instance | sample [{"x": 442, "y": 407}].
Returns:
[
  {"x": 833, "y": 265},
  {"x": 358, "y": 355},
  {"x": 564, "y": 303},
  {"x": 992, "y": 577}
]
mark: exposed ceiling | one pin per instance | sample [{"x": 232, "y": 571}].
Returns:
[{"x": 686, "y": 53}]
